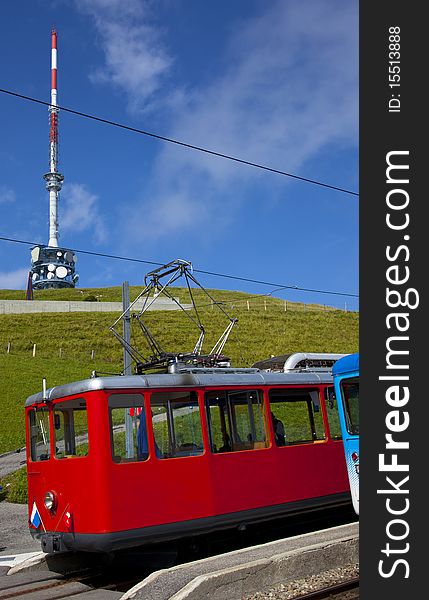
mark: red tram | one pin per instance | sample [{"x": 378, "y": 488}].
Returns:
[{"x": 120, "y": 461}]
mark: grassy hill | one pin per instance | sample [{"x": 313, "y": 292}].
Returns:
[{"x": 65, "y": 341}]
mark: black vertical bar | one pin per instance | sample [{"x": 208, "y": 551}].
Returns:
[
  {"x": 129, "y": 428},
  {"x": 393, "y": 255}
]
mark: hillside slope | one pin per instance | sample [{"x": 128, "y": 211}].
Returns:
[{"x": 65, "y": 343}]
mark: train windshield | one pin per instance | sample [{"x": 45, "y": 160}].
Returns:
[
  {"x": 350, "y": 395},
  {"x": 70, "y": 430},
  {"x": 39, "y": 433}
]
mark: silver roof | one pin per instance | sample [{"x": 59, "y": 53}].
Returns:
[{"x": 166, "y": 380}]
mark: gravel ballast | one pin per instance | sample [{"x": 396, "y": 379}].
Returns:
[{"x": 298, "y": 587}]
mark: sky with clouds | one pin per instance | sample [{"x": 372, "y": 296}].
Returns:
[{"x": 273, "y": 82}]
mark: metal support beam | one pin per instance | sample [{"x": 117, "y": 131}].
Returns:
[{"x": 129, "y": 444}]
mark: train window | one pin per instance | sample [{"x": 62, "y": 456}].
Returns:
[
  {"x": 235, "y": 420},
  {"x": 332, "y": 411},
  {"x": 128, "y": 428},
  {"x": 350, "y": 392},
  {"x": 300, "y": 416},
  {"x": 39, "y": 433},
  {"x": 71, "y": 429},
  {"x": 176, "y": 424}
]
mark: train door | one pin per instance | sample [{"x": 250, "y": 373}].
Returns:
[
  {"x": 346, "y": 380},
  {"x": 348, "y": 391},
  {"x": 240, "y": 459},
  {"x": 181, "y": 463},
  {"x": 307, "y": 464}
]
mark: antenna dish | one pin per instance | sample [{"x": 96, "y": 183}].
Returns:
[
  {"x": 35, "y": 253},
  {"x": 61, "y": 272}
]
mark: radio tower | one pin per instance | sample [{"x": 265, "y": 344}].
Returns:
[{"x": 52, "y": 266}]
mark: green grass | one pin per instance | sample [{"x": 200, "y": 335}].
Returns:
[
  {"x": 258, "y": 334},
  {"x": 14, "y": 487},
  {"x": 114, "y": 294},
  {"x": 20, "y": 376},
  {"x": 65, "y": 342}
]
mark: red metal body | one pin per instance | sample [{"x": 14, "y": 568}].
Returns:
[{"x": 97, "y": 496}]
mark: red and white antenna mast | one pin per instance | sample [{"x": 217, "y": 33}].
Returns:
[
  {"x": 53, "y": 179},
  {"x": 52, "y": 266}
]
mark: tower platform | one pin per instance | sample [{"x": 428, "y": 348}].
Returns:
[{"x": 53, "y": 268}]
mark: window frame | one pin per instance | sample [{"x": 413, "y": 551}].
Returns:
[
  {"x": 72, "y": 409},
  {"x": 124, "y": 405},
  {"x": 350, "y": 424},
  {"x": 228, "y": 418},
  {"x": 33, "y": 411},
  {"x": 195, "y": 397},
  {"x": 325, "y": 392},
  {"x": 307, "y": 390}
]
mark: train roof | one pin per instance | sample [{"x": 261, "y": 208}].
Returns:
[
  {"x": 348, "y": 364},
  {"x": 210, "y": 378}
]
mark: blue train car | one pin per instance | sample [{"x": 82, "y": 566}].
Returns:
[{"x": 346, "y": 381}]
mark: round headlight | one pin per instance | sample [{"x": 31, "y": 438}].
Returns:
[{"x": 50, "y": 501}]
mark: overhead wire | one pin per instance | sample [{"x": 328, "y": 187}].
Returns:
[
  {"x": 201, "y": 149},
  {"x": 180, "y": 143},
  {"x": 210, "y": 273}
]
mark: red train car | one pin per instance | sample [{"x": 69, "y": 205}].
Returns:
[{"x": 120, "y": 461}]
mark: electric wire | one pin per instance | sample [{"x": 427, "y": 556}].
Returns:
[
  {"x": 180, "y": 143},
  {"x": 210, "y": 273}
]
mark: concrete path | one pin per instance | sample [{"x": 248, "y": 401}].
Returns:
[
  {"x": 12, "y": 461},
  {"x": 14, "y": 534},
  {"x": 234, "y": 574},
  {"x": 9, "y": 307}
]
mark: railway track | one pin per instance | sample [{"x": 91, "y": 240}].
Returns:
[
  {"x": 109, "y": 579},
  {"x": 347, "y": 590},
  {"x": 45, "y": 585}
]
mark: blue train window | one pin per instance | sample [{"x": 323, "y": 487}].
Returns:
[{"x": 350, "y": 392}]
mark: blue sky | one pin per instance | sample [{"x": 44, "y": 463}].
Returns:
[{"x": 270, "y": 82}]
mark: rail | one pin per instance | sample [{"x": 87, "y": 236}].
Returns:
[{"x": 331, "y": 590}]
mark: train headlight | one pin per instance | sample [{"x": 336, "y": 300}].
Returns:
[{"x": 50, "y": 501}]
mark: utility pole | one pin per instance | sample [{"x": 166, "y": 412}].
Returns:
[
  {"x": 129, "y": 445},
  {"x": 126, "y": 325}
]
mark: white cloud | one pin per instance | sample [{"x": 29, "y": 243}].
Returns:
[
  {"x": 135, "y": 58},
  {"x": 14, "y": 280},
  {"x": 80, "y": 212},
  {"x": 7, "y": 195},
  {"x": 289, "y": 89}
]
